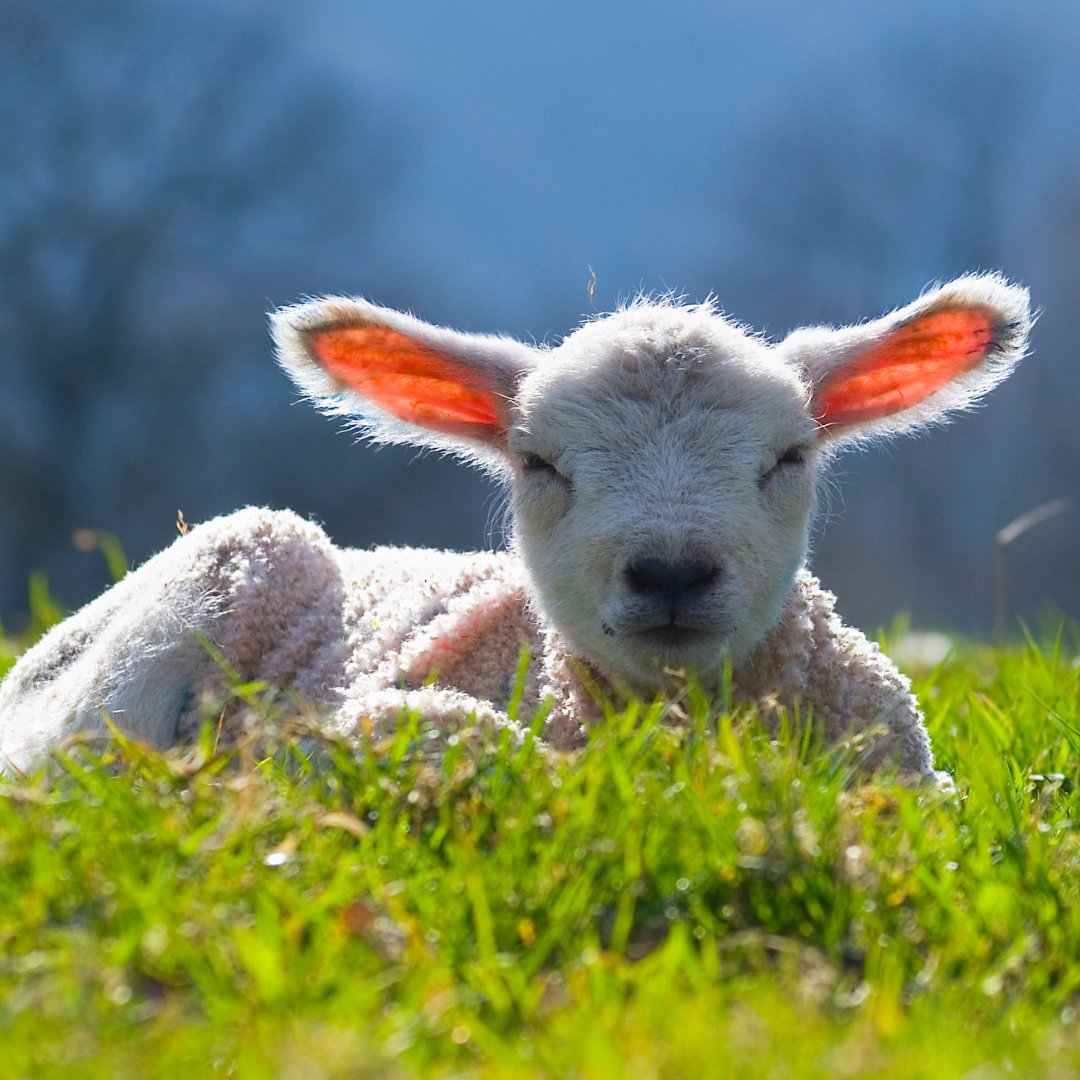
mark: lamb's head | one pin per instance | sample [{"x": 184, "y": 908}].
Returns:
[
  {"x": 665, "y": 483},
  {"x": 662, "y": 462}
]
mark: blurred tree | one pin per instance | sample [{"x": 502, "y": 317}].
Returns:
[
  {"x": 158, "y": 160},
  {"x": 847, "y": 203}
]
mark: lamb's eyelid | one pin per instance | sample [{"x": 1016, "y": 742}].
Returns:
[
  {"x": 778, "y": 463},
  {"x": 794, "y": 455},
  {"x": 532, "y": 460}
]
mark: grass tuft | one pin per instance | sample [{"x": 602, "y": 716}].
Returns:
[{"x": 715, "y": 900}]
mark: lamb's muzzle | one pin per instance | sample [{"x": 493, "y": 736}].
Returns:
[
  {"x": 662, "y": 466},
  {"x": 672, "y": 584}
]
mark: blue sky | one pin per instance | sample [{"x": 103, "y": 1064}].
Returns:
[{"x": 545, "y": 139}]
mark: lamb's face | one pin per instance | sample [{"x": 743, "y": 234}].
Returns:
[
  {"x": 665, "y": 470},
  {"x": 662, "y": 463}
]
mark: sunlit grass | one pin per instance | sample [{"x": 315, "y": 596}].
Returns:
[{"x": 710, "y": 901}]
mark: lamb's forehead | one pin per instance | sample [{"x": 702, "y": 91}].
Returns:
[{"x": 665, "y": 355}]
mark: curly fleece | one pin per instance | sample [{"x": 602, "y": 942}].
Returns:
[{"x": 366, "y": 635}]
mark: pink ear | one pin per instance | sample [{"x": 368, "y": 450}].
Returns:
[
  {"x": 906, "y": 368},
  {"x": 411, "y": 381}
]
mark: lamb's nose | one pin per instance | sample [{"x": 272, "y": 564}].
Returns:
[{"x": 675, "y": 579}]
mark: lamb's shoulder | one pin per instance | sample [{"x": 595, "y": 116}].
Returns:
[
  {"x": 348, "y": 629},
  {"x": 813, "y": 661}
]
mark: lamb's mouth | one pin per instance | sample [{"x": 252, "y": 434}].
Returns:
[
  {"x": 675, "y": 642},
  {"x": 673, "y": 638}
]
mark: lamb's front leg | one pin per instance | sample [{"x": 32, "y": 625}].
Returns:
[{"x": 138, "y": 652}]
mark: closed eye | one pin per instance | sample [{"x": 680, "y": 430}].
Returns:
[
  {"x": 534, "y": 463},
  {"x": 794, "y": 457}
]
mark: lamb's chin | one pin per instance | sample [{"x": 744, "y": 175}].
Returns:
[{"x": 659, "y": 659}]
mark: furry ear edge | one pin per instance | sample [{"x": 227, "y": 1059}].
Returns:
[
  {"x": 913, "y": 367},
  {"x": 399, "y": 379}
]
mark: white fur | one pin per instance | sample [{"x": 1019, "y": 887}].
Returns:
[{"x": 662, "y": 465}]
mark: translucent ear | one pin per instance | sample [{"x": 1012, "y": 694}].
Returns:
[
  {"x": 913, "y": 367},
  {"x": 403, "y": 380}
]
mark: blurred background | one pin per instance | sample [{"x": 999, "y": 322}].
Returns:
[{"x": 171, "y": 171}]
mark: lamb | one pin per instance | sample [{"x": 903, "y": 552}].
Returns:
[{"x": 662, "y": 464}]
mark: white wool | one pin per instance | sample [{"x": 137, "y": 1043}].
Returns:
[
  {"x": 662, "y": 465},
  {"x": 370, "y": 635}
]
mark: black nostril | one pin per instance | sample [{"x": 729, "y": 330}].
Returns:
[{"x": 653, "y": 575}]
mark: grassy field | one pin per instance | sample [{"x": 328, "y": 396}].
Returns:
[{"x": 699, "y": 902}]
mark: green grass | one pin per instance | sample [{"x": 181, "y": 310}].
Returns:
[{"x": 701, "y": 902}]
